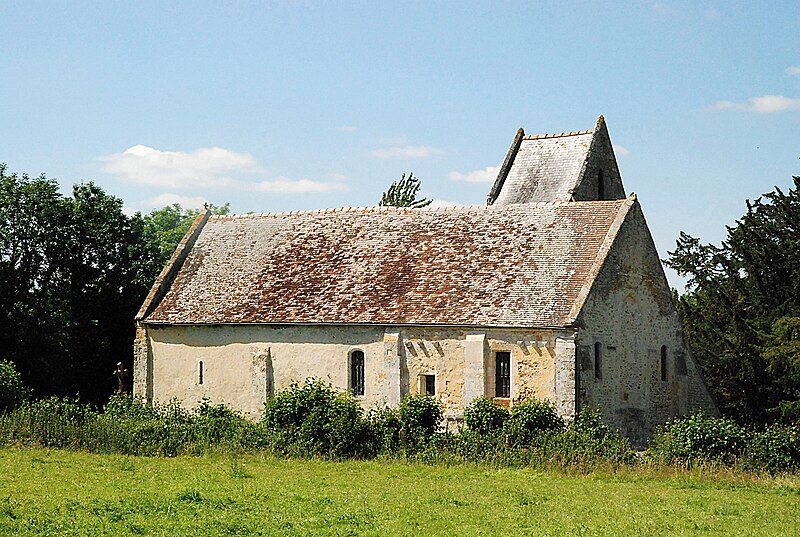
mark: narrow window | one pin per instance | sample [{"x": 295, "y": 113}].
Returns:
[
  {"x": 601, "y": 187},
  {"x": 598, "y": 362},
  {"x": 502, "y": 374},
  {"x": 357, "y": 372},
  {"x": 200, "y": 373},
  {"x": 663, "y": 362},
  {"x": 429, "y": 384}
]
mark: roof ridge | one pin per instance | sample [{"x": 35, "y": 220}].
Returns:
[
  {"x": 369, "y": 209},
  {"x": 558, "y": 135}
]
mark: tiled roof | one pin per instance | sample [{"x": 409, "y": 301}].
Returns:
[
  {"x": 519, "y": 265},
  {"x": 545, "y": 168}
]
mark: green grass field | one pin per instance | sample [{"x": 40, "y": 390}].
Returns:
[{"x": 51, "y": 492}]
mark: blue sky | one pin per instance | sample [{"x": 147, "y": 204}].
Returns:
[{"x": 276, "y": 106}]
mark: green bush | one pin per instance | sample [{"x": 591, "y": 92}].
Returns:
[
  {"x": 421, "y": 418},
  {"x": 315, "y": 419},
  {"x": 12, "y": 392},
  {"x": 485, "y": 416},
  {"x": 387, "y": 428},
  {"x": 775, "y": 449},
  {"x": 529, "y": 418},
  {"x": 698, "y": 438}
]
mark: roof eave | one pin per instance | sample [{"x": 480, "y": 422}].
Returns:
[{"x": 406, "y": 325}]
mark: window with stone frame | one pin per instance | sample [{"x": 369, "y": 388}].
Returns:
[
  {"x": 502, "y": 385},
  {"x": 357, "y": 372},
  {"x": 427, "y": 384}
]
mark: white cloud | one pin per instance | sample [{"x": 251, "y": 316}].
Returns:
[
  {"x": 620, "y": 150},
  {"x": 346, "y": 128},
  {"x": 662, "y": 9},
  {"x": 765, "y": 104},
  {"x": 793, "y": 70},
  {"x": 409, "y": 151},
  {"x": 393, "y": 140},
  {"x": 486, "y": 175},
  {"x": 187, "y": 202},
  {"x": 207, "y": 166},
  {"x": 302, "y": 186}
]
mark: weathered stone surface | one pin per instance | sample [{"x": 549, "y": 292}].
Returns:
[
  {"x": 520, "y": 265},
  {"x": 239, "y": 360},
  {"x": 571, "y": 288},
  {"x": 559, "y": 167},
  {"x": 630, "y": 313}
]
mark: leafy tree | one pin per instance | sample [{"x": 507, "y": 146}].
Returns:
[
  {"x": 403, "y": 193},
  {"x": 73, "y": 273},
  {"x": 740, "y": 307}
]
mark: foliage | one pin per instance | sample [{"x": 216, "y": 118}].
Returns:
[
  {"x": 387, "y": 428},
  {"x": 485, "y": 416},
  {"x": 529, "y": 418},
  {"x": 12, "y": 391},
  {"x": 742, "y": 305},
  {"x": 403, "y": 193},
  {"x": 420, "y": 417},
  {"x": 74, "y": 270},
  {"x": 315, "y": 419},
  {"x": 774, "y": 449},
  {"x": 698, "y": 438}
]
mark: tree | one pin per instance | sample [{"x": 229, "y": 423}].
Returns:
[
  {"x": 741, "y": 305},
  {"x": 403, "y": 193},
  {"x": 73, "y": 273}
]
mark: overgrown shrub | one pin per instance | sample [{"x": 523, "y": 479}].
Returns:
[
  {"x": 315, "y": 419},
  {"x": 529, "y": 418},
  {"x": 775, "y": 449},
  {"x": 420, "y": 417},
  {"x": 387, "y": 428},
  {"x": 12, "y": 391},
  {"x": 699, "y": 438},
  {"x": 485, "y": 416}
]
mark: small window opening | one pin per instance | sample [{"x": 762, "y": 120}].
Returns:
[
  {"x": 601, "y": 187},
  {"x": 429, "y": 384},
  {"x": 598, "y": 362},
  {"x": 200, "y": 373},
  {"x": 663, "y": 362},
  {"x": 503, "y": 374},
  {"x": 357, "y": 372}
]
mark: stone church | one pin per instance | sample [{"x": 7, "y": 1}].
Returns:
[{"x": 553, "y": 290}]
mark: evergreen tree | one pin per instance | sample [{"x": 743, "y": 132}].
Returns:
[
  {"x": 403, "y": 193},
  {"x": 741, "y": 312}
]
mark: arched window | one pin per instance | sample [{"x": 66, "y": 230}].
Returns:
[
  {"x": 663, "y": 362},
  {"x": 601, "y": 186},
  {"x": 200, "y": 373},
  {"x": 598, "y": 363},
  {"x": 357, "y": 372}
]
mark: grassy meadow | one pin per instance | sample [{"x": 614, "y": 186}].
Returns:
[{"x": 61, "y": 492}]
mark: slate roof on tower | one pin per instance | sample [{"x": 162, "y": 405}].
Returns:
[
  {"x": 517, "y": 265},
  {"x": 552, "y": 167}
]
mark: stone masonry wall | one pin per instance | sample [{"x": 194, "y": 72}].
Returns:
[
  {"x": 243, "y": 365},
  {"x": 627, "y": 318}
]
